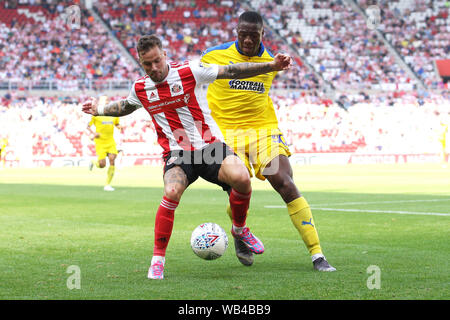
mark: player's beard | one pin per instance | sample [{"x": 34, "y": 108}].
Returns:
[{"x": 156, "y": 76}]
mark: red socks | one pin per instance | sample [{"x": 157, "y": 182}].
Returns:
[
  {"x": 164, "y": 225},
  {"x": 239, "y": 203}
]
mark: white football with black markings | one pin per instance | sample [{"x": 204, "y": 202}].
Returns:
[{"x": 209, "y": 241}]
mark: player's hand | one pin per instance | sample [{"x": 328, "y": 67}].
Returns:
[
  {"x": 90, "y": 107},
  {"x": 282, "y": 62}
]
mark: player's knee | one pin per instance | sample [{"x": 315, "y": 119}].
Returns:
[
  {"x": 174, "y": 191},
  {"x": 285, "y": 186},
  {"x": 240, "y": 180}
]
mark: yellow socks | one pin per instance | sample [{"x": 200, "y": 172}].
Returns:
[
  {"x": 230, "y": 214},
  {"x": 111, "y": 170},
  {"x": 303, "y": 221}
]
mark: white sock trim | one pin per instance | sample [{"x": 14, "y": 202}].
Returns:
[
  {"x": 238, "y": 230},
  {"x": 317, "y": 256},
  {"x": 158, "y": 258}
]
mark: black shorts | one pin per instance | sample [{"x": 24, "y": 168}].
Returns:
[{"x": 203, "y": 163}]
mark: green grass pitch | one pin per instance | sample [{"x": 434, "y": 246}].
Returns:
[{"x": 393, "y": 217}]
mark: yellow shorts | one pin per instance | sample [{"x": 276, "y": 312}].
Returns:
[
  {"x": 257, "y": 148},
  {"x": 102, "y": 148}
]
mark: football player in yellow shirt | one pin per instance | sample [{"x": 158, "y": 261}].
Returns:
[
  {"x": 246, "y": 116},
  {"x": 105, "y": 145}
]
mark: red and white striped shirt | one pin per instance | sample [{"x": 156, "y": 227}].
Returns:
[{"x": 178, "y": 106}]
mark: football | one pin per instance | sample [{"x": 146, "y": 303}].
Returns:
[{"x": 209, "y": 241}]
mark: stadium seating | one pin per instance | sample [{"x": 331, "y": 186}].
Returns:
[
  {"x": 420, "y": 32},
  {"x": 406, "y": 124},
  {"x": 378, "y": 113},
  {"x": 336, "y": 42},
  {"x": 38, "y": 45},
  {"x": 188, "y": 30},
  {"x": 330, "y": 35}
]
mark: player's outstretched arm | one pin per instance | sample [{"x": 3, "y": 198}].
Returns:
[
  {"x": 115, "y": 109},
  {"x": 247, "y": 69}
]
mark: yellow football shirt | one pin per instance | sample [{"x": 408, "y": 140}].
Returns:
[
  {"x": 443, "y": 136},
  {"x": 104, "y": 125},
  {"x": 240, "y": 103},
  {"x": 443, "y": 132},
  {"x": 3, "y": 143}
]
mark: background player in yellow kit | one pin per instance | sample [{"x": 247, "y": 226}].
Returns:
[
  {"x": 3, "y": 145},
  {"x": 443, "y": 140},
  {"x": 105, "y": 145},
  {"x": 246, "y": 116}
]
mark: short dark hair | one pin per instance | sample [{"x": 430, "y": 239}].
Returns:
[
  {"x": 148, "y": 42},
  {"x": 251, "y": 17}
]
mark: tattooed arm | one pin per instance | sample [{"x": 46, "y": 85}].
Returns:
[
  {"x": 114, "y": 109},
  {"x": 248, "y": 70}
]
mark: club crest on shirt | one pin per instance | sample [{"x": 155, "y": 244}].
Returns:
[{"x": 176, "y": 89}]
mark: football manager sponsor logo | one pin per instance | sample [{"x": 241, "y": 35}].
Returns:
[{"x": 247, "y": 85}]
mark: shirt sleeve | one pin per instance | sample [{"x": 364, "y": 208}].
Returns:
[
  {"x": 204, "y": 72},
  {"x": 132, "y": 97}
]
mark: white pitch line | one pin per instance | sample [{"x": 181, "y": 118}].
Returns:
[
  {"x": 384, "y": 211},
  {"x": 381, "y": 202},
  {"x": 367, "y": 202},
  {"x": 315, "y": 207},
  {"x": 369, "y": 211}
]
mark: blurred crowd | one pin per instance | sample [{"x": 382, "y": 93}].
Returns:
[
  {"x": 376, "y": 106},
  {"x": 377, "y": 123},
  {"x": 420, "y": 32},
  {"x": 336, "y": 41},
  {"x": 39, "y": 42},
  {"x": 408, "y": 123},
  {"x": 188, "y": 28},
  {"x": 55, "y": 127},
  {"x": 54, "y": 49}
]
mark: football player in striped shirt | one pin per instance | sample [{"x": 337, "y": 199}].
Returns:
[
  {"x": 246, "y": 116},
  {"x": 192, "y": 143}
]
